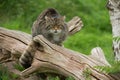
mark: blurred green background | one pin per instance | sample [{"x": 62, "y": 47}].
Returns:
[{"x": 20, "y": 15}]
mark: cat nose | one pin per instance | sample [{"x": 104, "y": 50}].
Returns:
[{"x": 55, "y": 28}]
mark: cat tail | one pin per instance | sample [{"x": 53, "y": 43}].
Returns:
[{"x": 27, "y": 57}]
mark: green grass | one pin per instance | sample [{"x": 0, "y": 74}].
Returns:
[
  {"x": 5, "y": 75},
  {"x": 97, "y": 30},
  {"x": 84, "y": 42}
]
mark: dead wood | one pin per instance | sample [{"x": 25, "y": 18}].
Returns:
[
  {"x": 53, "y": 58},
  {"x": 57, "y": 59},
  {"x": 75, "y": 25}
]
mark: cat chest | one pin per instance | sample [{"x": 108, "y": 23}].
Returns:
[{"x": 56, "y": 37}]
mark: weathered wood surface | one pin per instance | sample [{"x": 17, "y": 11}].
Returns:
[
  {"x": 75, "y": 25},
  {"x": 53, "y": 58},
  {"x": 12, "y": 43},
  {"x": 57, "y": 59}
]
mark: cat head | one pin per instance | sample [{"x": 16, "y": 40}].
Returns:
[
  {"x": 55, "y": 25},
  {"x": 55, "y": 19}
]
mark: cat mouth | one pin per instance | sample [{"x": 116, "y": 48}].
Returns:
[{"x": 55, "y": 31}]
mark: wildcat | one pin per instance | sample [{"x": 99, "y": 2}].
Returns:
[{"x": 52, "y": 26}]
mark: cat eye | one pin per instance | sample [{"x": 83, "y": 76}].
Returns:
[
  {"x": 48, "y": 27},
  {"x": 58, "y": 27},
  {"x": 61, "y": 26}
]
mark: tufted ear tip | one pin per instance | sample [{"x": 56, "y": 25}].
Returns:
[
  {"x": 46, "y": 17},
  {"x": 63, "y": 17}
]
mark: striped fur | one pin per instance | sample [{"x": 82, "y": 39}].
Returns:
[{"x": 52, "y": 26}]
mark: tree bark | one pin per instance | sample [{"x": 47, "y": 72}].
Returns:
[{"x": 114, "y": 11}]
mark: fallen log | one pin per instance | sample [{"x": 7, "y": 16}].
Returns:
[
  {"x": 53, "y": 58},
  {"x": 59, "y": 60}
]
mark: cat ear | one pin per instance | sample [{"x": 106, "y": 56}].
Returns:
[
  {"x": 63, "y": 17},
  {"x": 46, "y": 18}
]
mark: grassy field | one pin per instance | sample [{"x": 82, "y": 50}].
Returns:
[{"x": 19, "y": 15}]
